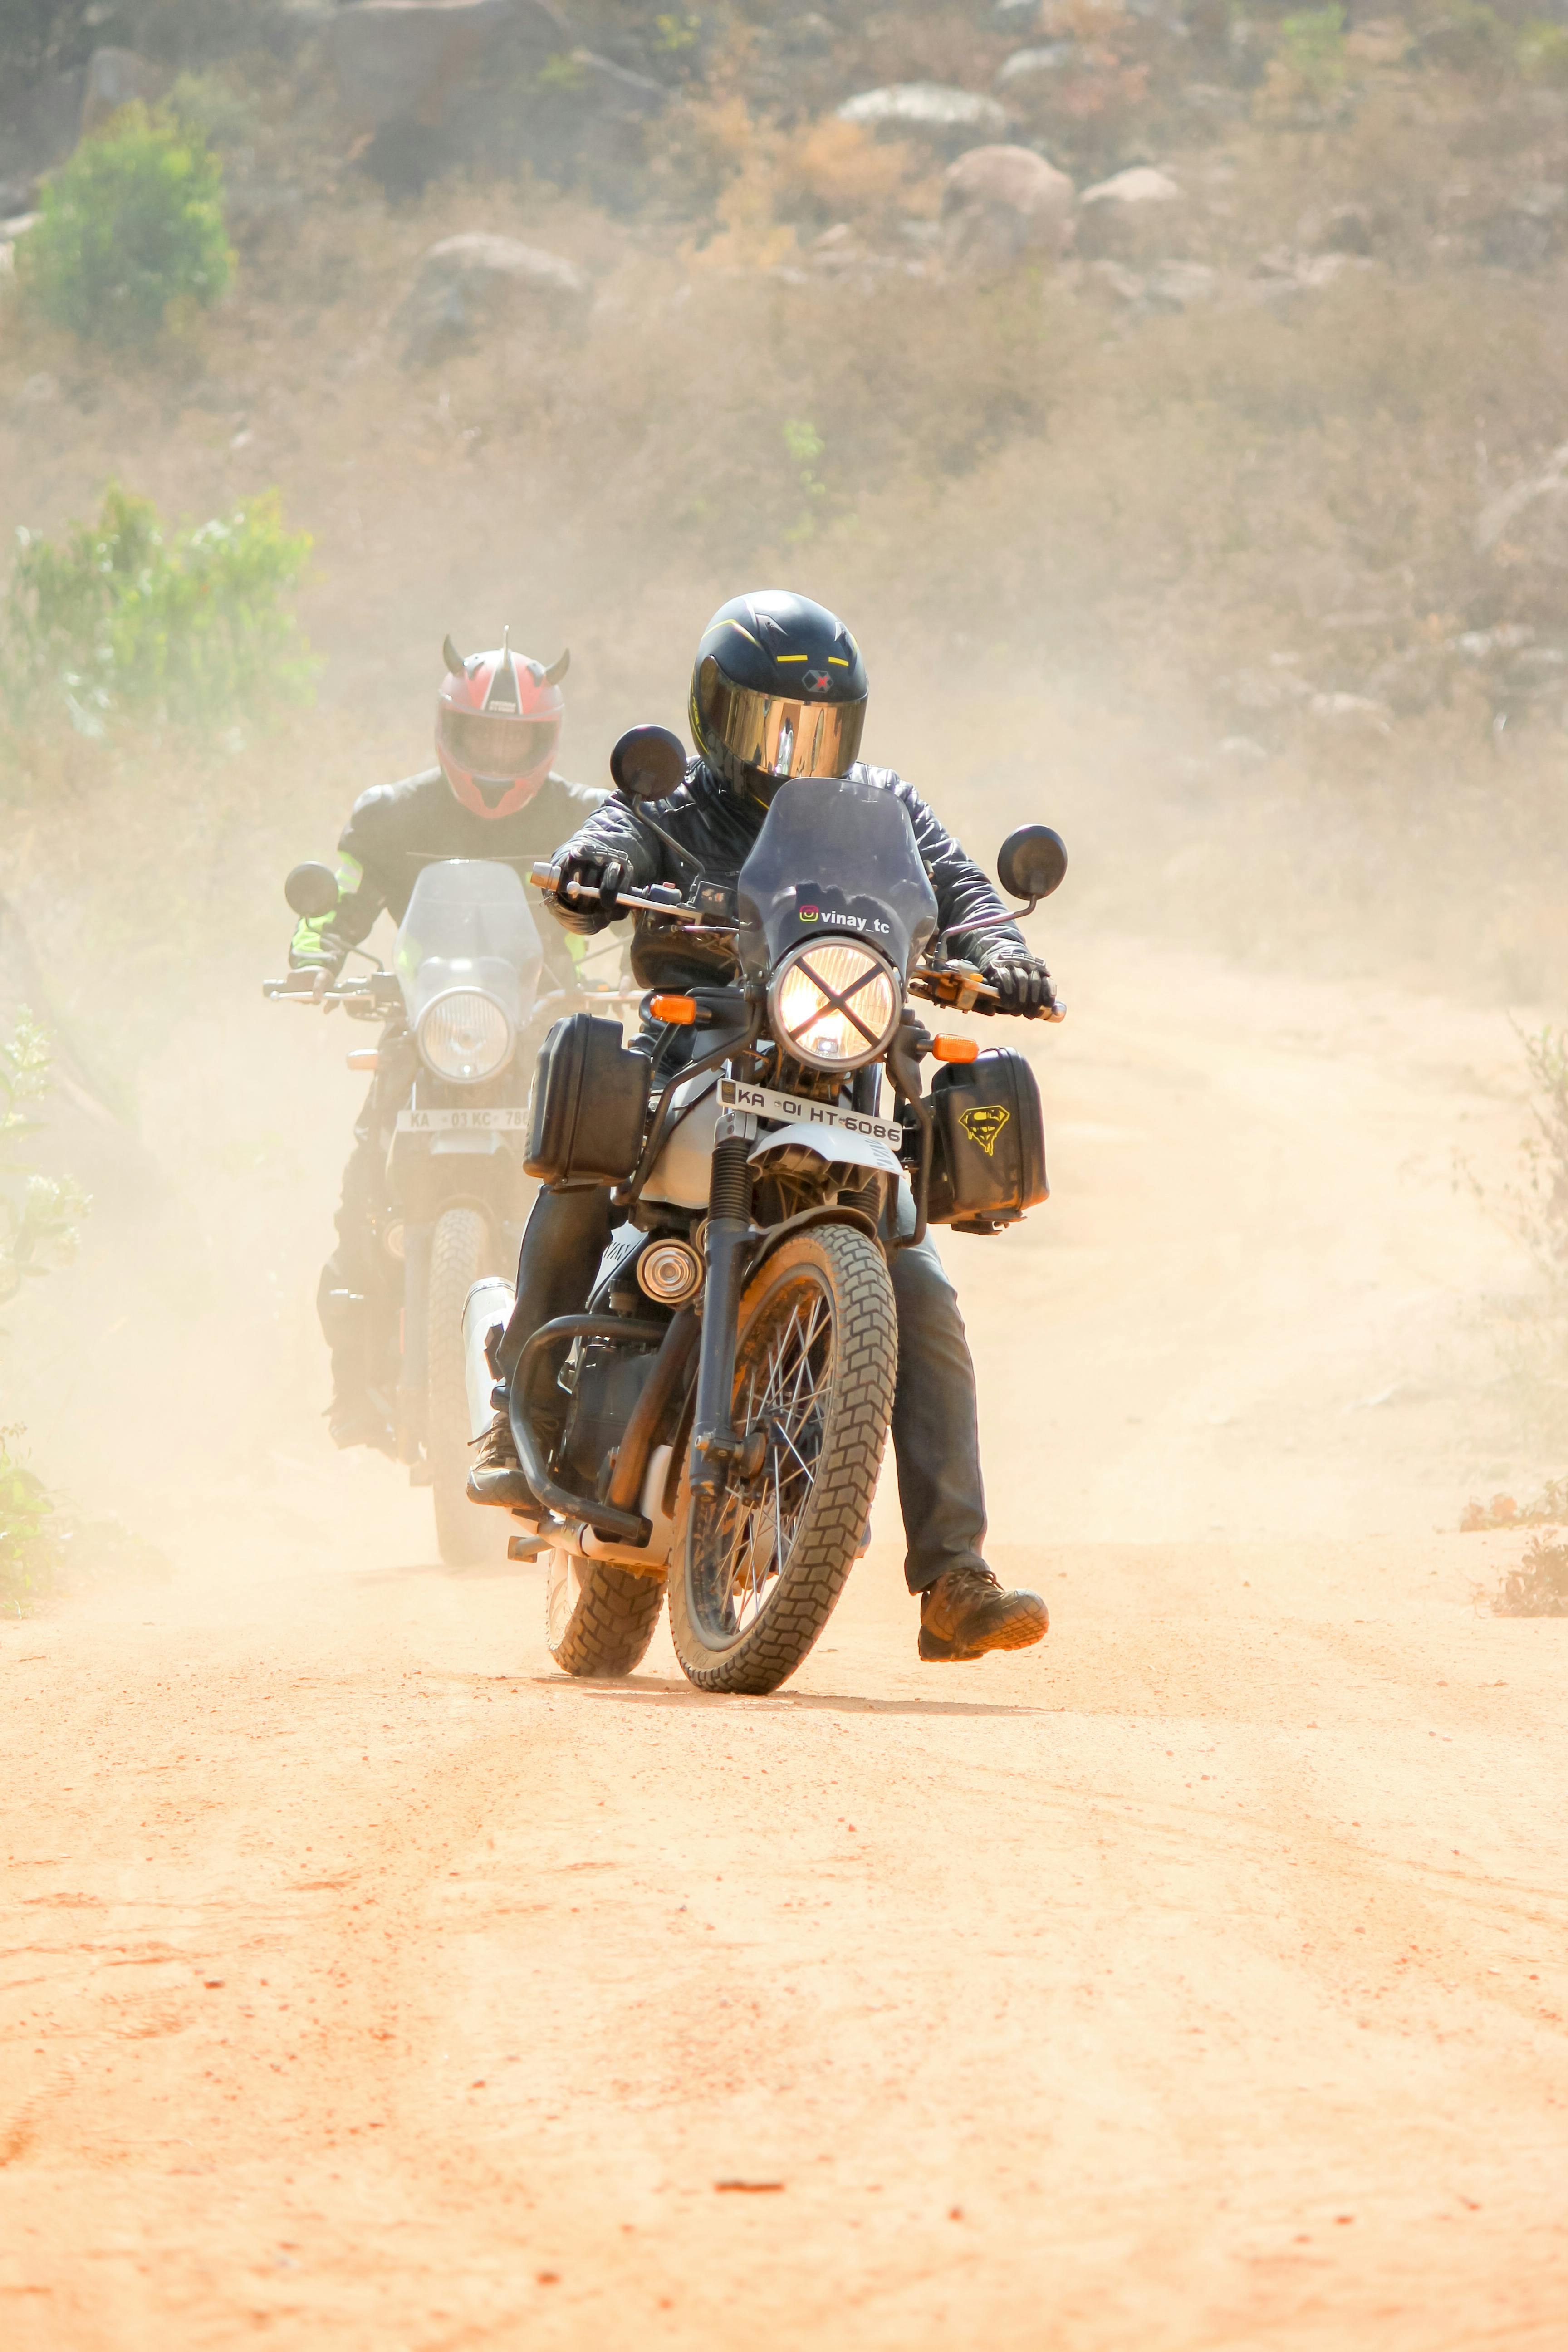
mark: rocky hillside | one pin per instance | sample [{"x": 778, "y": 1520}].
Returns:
[{"x": 1171, "y": 390}]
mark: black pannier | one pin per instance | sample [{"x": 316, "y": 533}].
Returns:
[
  {"x": 590, "y": 1102},
  {"x": 988, "y": 1150}
]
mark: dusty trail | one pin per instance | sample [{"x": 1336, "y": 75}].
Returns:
[{"x": 1196, "y": 1980}]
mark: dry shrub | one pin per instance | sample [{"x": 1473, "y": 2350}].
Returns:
[
  {"x": 833, "y": 170},
  {"x": 1539, "y": 1586}
]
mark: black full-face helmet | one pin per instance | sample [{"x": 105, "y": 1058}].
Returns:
[{"x": 778, "y": 689}]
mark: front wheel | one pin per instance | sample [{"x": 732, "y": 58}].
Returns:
[{"x": 756, "y": 1571}]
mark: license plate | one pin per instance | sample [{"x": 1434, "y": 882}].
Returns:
[
  {"x": 766, "y": 1104},
  {"x": 508, "y": 1121}
]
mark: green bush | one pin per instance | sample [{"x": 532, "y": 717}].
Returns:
[
  {"x": 35, "y": 1212},
  {"x": 122, "y": 616},
  {"x": 1542, "y": 49},
  {"x": 1312, "y": 49},
  {"x": 28, "y": 1556},
  {"x": 133, "y": 227}
]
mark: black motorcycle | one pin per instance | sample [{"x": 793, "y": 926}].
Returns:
[{"x": 729, "y": 1391}]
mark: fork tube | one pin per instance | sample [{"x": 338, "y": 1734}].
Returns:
[{"x": 728, "y": 1233}]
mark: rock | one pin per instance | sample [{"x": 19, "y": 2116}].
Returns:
[
  {"x": 115, "y": 78},
  {"x": 9, "y": 232},
  {"x": 1127, "y": 218},
  {"x": 1142, "y": 185},
  {"x": 1025, "y": 65},
  {"x": 1529, "y": 523},
  {"x": 1000, "y": 203},
  {"x": 1343, "y": 228},
  {"x": 1016, "y": 16},
  {"x": 1351, "y": 713},
  {"x": 928, "y": 110},
  {"x": 477, "y": 280},
  {"x": 400, "y": 60},
  {"x": 1178, "y": 285}
]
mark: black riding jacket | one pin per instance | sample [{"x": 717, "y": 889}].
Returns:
[
  {"x": 718, "y": 828},
  {"x": 396, "y": 830}
]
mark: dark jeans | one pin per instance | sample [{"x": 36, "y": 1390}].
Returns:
[
  {"x": 936, "y": 1435},
  {"x": 360, "y": 1289}
]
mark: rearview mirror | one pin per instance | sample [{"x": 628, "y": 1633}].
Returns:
[
  {"x": 1032, "y": 862},
  {"x": 312, "y": 891},
  {"x": 649, "y": 763}
]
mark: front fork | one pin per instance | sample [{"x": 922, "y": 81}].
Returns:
[{"x": 715, "y": 1447}]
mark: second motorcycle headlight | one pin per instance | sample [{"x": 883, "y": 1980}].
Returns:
[
  {"x": 464, "y": 1037},
  {"x": 834, "y": 1003}
]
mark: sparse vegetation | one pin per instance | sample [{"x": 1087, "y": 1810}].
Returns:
[
  {"x": 132, "y": 232},
  {"x": 29, "y": 1555},
  {"x": 37, "y": 1212},
  {"x": 122, "y": 617}
]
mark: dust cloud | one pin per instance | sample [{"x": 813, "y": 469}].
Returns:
[{"x": 1197, "y": 1979}]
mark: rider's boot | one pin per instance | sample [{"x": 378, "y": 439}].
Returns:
[
  {"x": 497, "y": 1476},
  {"x": 966, "y": 1613}
]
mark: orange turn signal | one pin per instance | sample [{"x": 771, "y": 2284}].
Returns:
[
  {"x": 680, "y": 1010},
  {"x": 363, "y": 1057},
  {"x": 955, "y": 1049}
]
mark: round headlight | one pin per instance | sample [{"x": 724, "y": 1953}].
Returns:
[
  {"x": 834, "y": 1003},
  {"x": 464, "y": 1037}
]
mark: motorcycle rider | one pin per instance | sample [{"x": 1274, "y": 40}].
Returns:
[
  {"x": 491, "y": 795},
  {"x": 779, "y": 690}
]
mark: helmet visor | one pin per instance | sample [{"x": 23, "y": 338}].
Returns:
[
  {"x": 495, "y": 743},
  {"x": 781, "y": 736}
]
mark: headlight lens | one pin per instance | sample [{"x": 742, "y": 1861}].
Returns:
[
  {"x": 464, "y": 1037},
  {"x": 834, "y": 1003}
]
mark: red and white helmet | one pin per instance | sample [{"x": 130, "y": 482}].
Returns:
[{"x": 498, "y": 721}]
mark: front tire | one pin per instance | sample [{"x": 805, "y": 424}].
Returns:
[
  {"x": 459, "y": 1254},
  {"x": 598, "y": 1619},
  {"x": 755, "y": 1577}
]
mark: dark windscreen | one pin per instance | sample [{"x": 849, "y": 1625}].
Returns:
[{"x": 834, "y": 855}]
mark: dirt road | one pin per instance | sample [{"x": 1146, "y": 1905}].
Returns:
[{"x": 1196, "y": 1980}]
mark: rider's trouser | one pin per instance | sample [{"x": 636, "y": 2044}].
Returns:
[
  {"x": 361, "y": 1287},
  {"x": 936, "y": 1434}
]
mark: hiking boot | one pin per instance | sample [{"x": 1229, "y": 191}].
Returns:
[
  {"x": 497, "y": 1476},
  {"x": 966, "y": 1613}
]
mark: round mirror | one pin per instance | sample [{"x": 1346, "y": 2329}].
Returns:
[
  {"x": 312, "y": 891},
  {"x": 1032, "y": 862},
  {"x": 649, "y": 762}
]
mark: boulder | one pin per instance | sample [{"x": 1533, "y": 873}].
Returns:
[
  {"x": 1128, "y": 217},
  {"x": 115, "y": 78},
  {"x": 926, "y": 109},
  {"x": 1529, "y": 523},
  {"x": 476, "y": 281},
  {"x": 1028, "y": 65},
  {"x": 400, "y": 60},
  {"x": 1002, "y": 203}
]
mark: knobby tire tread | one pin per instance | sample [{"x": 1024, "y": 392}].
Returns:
[
  {"x": 864, "y": 1371},
  {"x": 613, "y": 1623}
]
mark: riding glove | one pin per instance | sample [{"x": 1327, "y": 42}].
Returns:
[
  {"x": 591, "y": 874},
  {"x": 1021, "y": 980}
]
